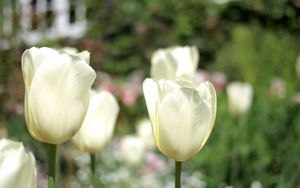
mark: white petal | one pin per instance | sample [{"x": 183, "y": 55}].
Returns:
[
  {"x": 166, "y": 86},
  {"x": 85, "y": 55},
  {"x": 186, "y": 58},
  {"x": 183, "y": 118},
  {"x": 208, "y": 93},
  {"x": 17, "y": 166},
  {"x": 32, "y": 59},
  {"x": 163, "y": 66},
  {"x": 151, "y": 94},
  {"x": 99, "y": 123},
  {"x": 239, "y": 96},
  {"x": 59, "y": 98}
]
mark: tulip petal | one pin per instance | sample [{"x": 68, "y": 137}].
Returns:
[
  {"x": 211, "y": 97},
  {"x": 163, "y": 65},
  {"x": 186, "y": 58},
  {"x": 58, "y": 98},
  {"x": 183, "y": 118},
  {"x": 32, "y": 59},
  {"x": 99, "y": 123},
  {"x": 16, "y": 164},
  {"x": 85, "y": 55},
  {"x": 151, "y": 93}
]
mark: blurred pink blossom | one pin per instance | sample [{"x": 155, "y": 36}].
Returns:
[
  {"x": 219, "y": 80},
  {"x": 201, "y": 75},
  {"x": 105, "y": 82},
  {"x": 14, "y": 108},
  {"x": 277, "y": 88},
  {"x": 128, "y": 94},
  {"x": 154, "y": 163},
  {"x": 296, "y": 98},
  {"x": 42, "y": 179},
  {"x": 130, "y": 91}
]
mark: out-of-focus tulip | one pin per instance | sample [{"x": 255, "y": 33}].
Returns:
[
  {"x": 98, "y": 125},
  {"x": 57, "y": 89},
  {"x": 297, "y": 66},
  {"x": 133, "y": 150},
  {"x": 239, "y": 97},
  {"x": 182, "y": 115},
  {"x": 17, "y": 166},
  {"x": 144, "y": 131},
  {"x": 174, "y": 63}
]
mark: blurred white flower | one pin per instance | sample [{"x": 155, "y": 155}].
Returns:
[
  {"x": 144, "y": 131},
  {"x": 297, "y": 66},
  {"x": 177, "y": 62},
  {"x": 239, "y": 97},
  {"x": 256, "y": 184},
  {"x": 17, "y": 166},
  {"x": 133, "y": 150},
  {"x": 98, "y": 126},
  {"x": 221, "y": 2}
]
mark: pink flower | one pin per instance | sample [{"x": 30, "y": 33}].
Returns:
[
  {"x": 219, "y": 80},
  {"x": 277, "y": 88}
]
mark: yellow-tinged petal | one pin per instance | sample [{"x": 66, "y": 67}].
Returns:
[
  {"x": 151, "y": 93},
  {"x": 183, "y": 117},
  {"x": 58, "y": 98}
]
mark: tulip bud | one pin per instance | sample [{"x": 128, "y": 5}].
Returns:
[
  {"x": 239, "y": 97},
  {"x": 174, "y": 63},
  {"x": 144, "y": 131},
  {"x": 98, "y": 125},
  {"x": 133, "y": 150},
  {"x": 17, "y": 166},
  {"x": 182, "y": 115},
  {"x": 57, "y": 89}
]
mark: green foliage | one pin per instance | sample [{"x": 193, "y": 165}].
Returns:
[
  {"x": 258, "y": 55},
  {"x": 259, "y": 146}
]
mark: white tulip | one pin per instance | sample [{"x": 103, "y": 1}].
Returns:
[
  {"x": 144, "y": 131},
  {"x": 98, "y": 125},
  {"x": 133, "y": 150},
  {"x": 73, "y": 51},
  {"x": 57, "y": 89},
  {"x": 297, "y": 66},
  {"x": 182, "y": 115},
  {"x": 239, "y": 97},
  {"x": 174, "y": 63},
  {"x": 17, "y": 166}
]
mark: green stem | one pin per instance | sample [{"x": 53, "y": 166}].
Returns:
[
  {"x": 177, "y": 174},
  {"x": 93, "y": 169},
  {"x": 52, "y": 149}
]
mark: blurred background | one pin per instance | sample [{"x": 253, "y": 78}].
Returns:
[{"x": 253, "y": 41}]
